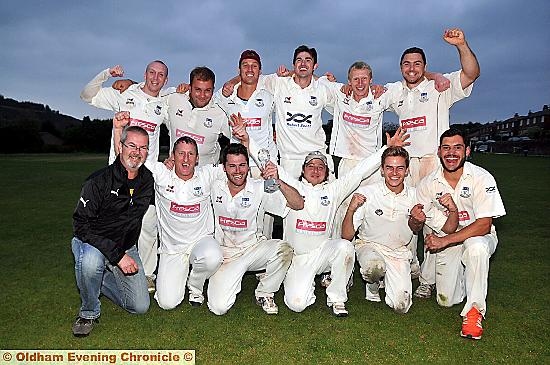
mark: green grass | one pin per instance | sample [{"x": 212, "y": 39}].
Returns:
[{"x": 40, "y": 299}]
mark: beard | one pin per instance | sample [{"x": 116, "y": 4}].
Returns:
[{"x": 132, "y": 163}]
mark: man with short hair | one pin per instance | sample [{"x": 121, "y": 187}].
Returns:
[
  {"x": 461, "y": 257},
  {"x": 237, "y": 202},
  {"x": 147, "y": 110},
  {"x": 195, "y": 114},
  {"x": 107, "y": 222}
]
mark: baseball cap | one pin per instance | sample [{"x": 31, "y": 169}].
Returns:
[
  {"x": 316, "y": 154},
  {"x": 250, "y": 54}
]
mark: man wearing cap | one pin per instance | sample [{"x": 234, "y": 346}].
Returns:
[
  {"x": 299, "y": 102},
  {"x": 308, "y": 230},
  {"x": 255, "y": 105}
]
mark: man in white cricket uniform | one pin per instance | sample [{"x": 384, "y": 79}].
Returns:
[
  {"x": 255, "y": 104},
  {"x": 462, "y": 257},
  {"x": 381, "y": 212},
  {"x": 424, "y": 112},
  {"x": 238, "y": 202},
  {"x": 308, "y": 230},
  {"x": 195, "y": 114},
  {"x": 147, "y": 110}
]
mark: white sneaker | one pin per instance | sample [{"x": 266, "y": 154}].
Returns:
[
  {"x": 339, "y": 310},
  {"x": 372, "y": 294},
  {"x": 415, "y": 270},
  {"x": 424, "y": 291},
  {"x": 150, "y": 284},
  {"x": 196, "y": 300},
  {"x": 267, "y": 304}
]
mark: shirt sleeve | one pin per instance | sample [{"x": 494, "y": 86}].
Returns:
[{"x": 487, "y": 201}]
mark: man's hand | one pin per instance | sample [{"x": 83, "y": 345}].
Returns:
[
  {"x": 122, "y": 85},
  {"x": 441, "y": 83},
  {"x": 377, "y": 90},
  {"x": 417, "y": 214},
  {"x": 447, "y": 201},
  {"x": 238, "y": 128},
  {"x": 346, "y": 90},
  {"x": 183, "y": 88},
  {"x": 116, "y": 71},
  {"x": 398, "y": 139},
  {"x": 454, "y": 36},
  {"x": 228, "y": 88},
  {"x": 330, "y": 76},
  {"x": 357, "y": 200},
  {"x": 169, "y": 162},
  {"x": 270, "y": 171},
  {"x": 434, "y": 243},
  {"x": 128, "y": 265},
  {"x": 282, "y": 71},
  {"x": 121, "y": 119}
]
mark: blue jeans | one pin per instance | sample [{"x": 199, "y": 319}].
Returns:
[{"x": 95, "y": 275}]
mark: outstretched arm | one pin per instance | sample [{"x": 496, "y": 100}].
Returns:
[{"x": 468, "y": 60}]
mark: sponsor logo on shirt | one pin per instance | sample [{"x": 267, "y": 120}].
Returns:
[
  {"x": 465, "y": 192},
  {"x": 232, "y": 224},
  {"x": 130, "y": 101},
  {"x": 185, "y": 210},
  {"x": 490, "y": 189},
  {"x": 378, "y": 212},
  {"x": 356, "y": 120},
  {"x": 400, "y": 104},
  {"x": 463, "y": 216},
  {"x": 208, "y": 123},
  {"x": 253, "y": 123},
  {"x": 259, "y": 103},
  {"x": 218, "y": 199},
  {"x": 148, "y": 126},
  {"x": 346, "y": 100},
  {"x": 179, "y": 112},
  {"x": 287, "y": 100},
  {"x": 416, "y": 123},
  {"x": 312, "y": 228},
  {"x": 170, "y": 188},
  {"x": 313, "y": 100},
  {"x": 298, "y": 120},
  {"x": 198, "y": 138}
]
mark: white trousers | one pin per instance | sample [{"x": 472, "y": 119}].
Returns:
[
  {"x": 272, "y": 255},
  {"x": 205, "y": 256},
  {"x": 344, "y": 167},
  {"x": 148, "y": 241},
  {"x": 463, "y": 271},
  {"x": 334, "y": 255},
  {"x": 394, "y": 266}
]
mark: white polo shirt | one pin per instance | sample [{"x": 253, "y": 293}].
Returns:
[
  {"x": 299, "y": 125},
  {"x": 146, "y": 111},
  {"x": 204, "y": 125},
  {"x": 257, "y": 113},
  {"x": 476, "y": 196},
  {"x": 183, "y": 208},
  {"x": 424, "y": 111},
  {"x": 236, "y": 217},
  {"x": 307, "y": 229},
  {"x": 383, "y": 218},
  {"x": 357, "y": 126}
]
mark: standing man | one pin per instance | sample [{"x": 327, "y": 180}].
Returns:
[
  {"x": 107, "y": 222},
  {"x": 196, "y": 115},
  {"x": 424, "y": 112},
  {"x": 461, "y": 257},
  {"x": 255, "y": 105},
  {"x": 238, "y": 202},
  {"x": 147, "y": 110}
]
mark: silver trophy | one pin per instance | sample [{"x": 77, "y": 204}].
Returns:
[{"x": 270, "y": 185}]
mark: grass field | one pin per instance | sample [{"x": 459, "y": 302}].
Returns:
[{"x": 40, "y": 301}]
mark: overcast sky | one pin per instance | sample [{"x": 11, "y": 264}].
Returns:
[{"x": 51, "y": 49}]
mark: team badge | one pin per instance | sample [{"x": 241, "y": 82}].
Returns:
[
  {"x": 369, "y": 106},
  {"x": 378, "y": 212},
  {"x": 179, "y": 113},
  {"x": 197, "y": 191},
  {"x": 423, "y": 97},
  {"x": 130, "y": 101},
  {"x": 313, "y": 101},
  {"x": 158, "y": 109},
  {"x": 170, "y": 188},
  {"x": 325, "y": 201},
  {"x": 287, "y": 99},
  {"x": 245, "y": 202},
  {"x": 218, "y": 199},
  {"x": 259, "y": 103},
  {"x": 208, "y": 123},
  {"x": 465, "y": 192}
]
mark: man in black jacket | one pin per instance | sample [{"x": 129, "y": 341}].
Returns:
[{"x": 107, "y": 223}]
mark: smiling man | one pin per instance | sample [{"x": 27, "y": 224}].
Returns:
[{"x": 461, "y": 257}]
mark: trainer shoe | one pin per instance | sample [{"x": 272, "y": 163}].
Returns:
[
  {"x": 150, "y": 284},
  {"x": 372, "y": 294},
  {"x": 339, "y": 310},
  {"x": 424, "y": 291},
  {"x": 196, "y": 300},
  {"x": 471, "y": 325},
  {"x": 267, "y": 304},
  {"x": 83, "y": 326}
]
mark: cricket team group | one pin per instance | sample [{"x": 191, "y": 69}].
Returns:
[{"x": 201, "y": 219}]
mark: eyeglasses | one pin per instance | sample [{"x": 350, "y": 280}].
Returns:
[{"x": 133, "y": 147}]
